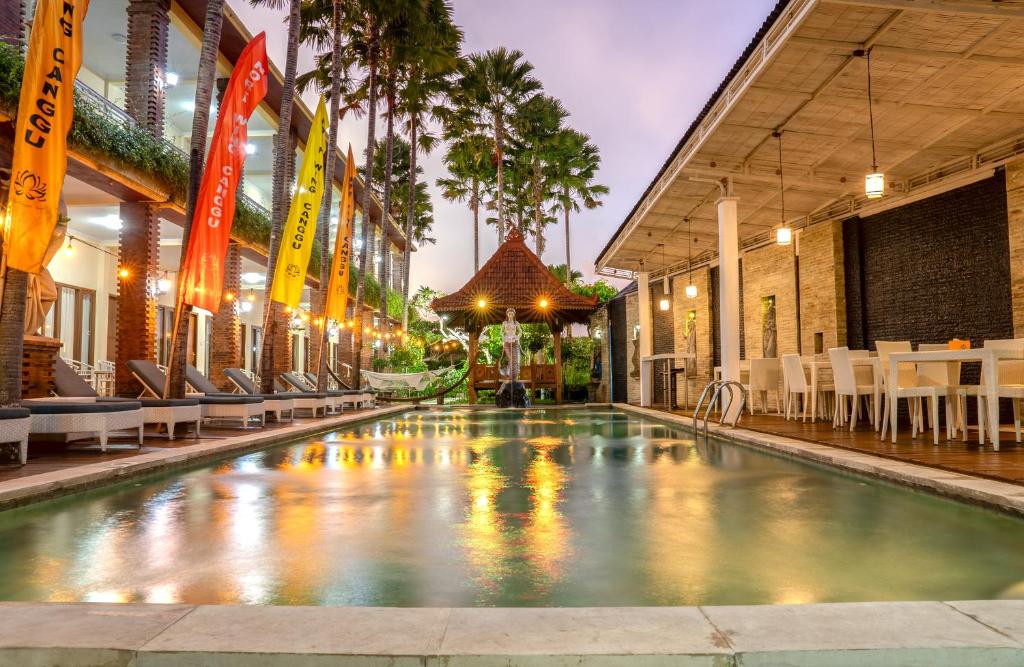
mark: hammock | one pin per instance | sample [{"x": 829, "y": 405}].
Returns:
[{"x": 396, "y": 381}]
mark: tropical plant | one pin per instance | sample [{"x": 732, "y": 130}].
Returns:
[
  {"x": 273, "y": 311},
  {"x": 208, "y": 53},
  {"x": 468, "y": 168},
  {"x": 558, "y": 271},
  {"x": 493, "y": 86},
  {"x": 573, "y": 173},
  {"x": 537, "y": 126}
]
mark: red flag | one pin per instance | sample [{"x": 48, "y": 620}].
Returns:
[{"x": 202, "y": 276}]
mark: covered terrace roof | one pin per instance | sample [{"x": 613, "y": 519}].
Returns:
[
  {"x": 948, "y": 95},
  {"x": 514, "y": 277}
]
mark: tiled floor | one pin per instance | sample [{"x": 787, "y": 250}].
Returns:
[
  {"x": 50, "y": 456},
  {"x": 965, "y": 457}
]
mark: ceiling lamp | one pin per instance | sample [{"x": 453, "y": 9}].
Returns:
[
  {"x": 663, "y": 303},
  {"x": 784, "y": 234},
  {"x": 164, "y": 284},
  {"x": 874, "y": 183},
  {"x": 69, "y": 251},
  {"x": 691, "y": 289}
]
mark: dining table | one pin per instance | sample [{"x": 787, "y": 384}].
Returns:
[{"x": 989, "y": 358}]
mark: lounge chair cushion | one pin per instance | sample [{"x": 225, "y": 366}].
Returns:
[
  {"x": 228, "y": 399},
  {"x": 152, "y": 402},
  {"x": 68, "y": 383},
  {"x": 149, "y": 374},
  {"x": 199, "y": 381},
  {"x": 65, "y": 408},
  {"x": 14, "y": 413}
]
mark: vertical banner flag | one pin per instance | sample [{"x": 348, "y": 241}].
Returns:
[
  {"x": 45, "y": 111},
  {"x": 202, "y": 275},
  {"x": 300, "y": 228},
  {"x": 337, "y": 288}
]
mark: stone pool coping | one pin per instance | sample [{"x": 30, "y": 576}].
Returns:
[
  {"x": 937, "y": 634},
  {"x": 33, "y": 488},
  {"x": 993, "y": 494}
]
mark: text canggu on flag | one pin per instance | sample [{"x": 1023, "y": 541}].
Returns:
[
  {"x": 337, "y": 288},
  {"x": 300, "y": 228},
  {"x": 45, "y": 112},
  {"x": 202, "y": 277}
]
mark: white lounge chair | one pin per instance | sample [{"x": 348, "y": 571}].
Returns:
[{"x": 223, "y": 406}]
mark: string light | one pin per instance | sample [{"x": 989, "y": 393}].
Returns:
[
  {"x": 123, "y": 272},
  {"x": 543, "y": 303},
  {"x": 229, "y": 296},
  {"x": 481, "y": 304}
]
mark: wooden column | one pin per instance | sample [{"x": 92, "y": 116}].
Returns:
[
  {"x": 556, "y": 332},
  {"x": 474, "y": 341}
]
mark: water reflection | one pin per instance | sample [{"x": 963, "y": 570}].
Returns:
[{"x": 544, "y": 507}]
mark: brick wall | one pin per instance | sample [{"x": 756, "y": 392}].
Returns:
[
  {"x": 136, "y": 302},
  {"x": 701, "y": 305},
  {"x": 11, "y": 13},
  {"x": 1015, "y": 229},
  {"x": 931, "y": 270},
  {"x": 663, "y": 325},
  {"x": 599, "y": 328},
  {"x": 822, "y": 287},
  {"x": 226, "y": 326},
  {"x": 632, "y": 353},
  {"x": 146, "y": 60},
  {"x": 770, "y": 271}
]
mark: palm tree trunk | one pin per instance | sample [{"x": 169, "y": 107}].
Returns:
[
  {"x": 410, "y": 214},
  {"x": 12, "y": 332},
  {"x": 568, "y": 262},
  {"x": 476, "y": 224},
  {"x": 385, "y": 251},
  {"x": 325, "y": 210},
  {"x": 537, "y": 219},
  {"x": 499, "y": 144},
  {"x": 272, "y": 313},
  {"x": 371, "y": 138},
  {"x": 175, "y": 386}
]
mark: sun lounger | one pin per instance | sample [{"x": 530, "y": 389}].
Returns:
[
  {"x": 169, "y": 412},
  {"x": 15, "y": 424},
  {"x": 333, "y": 398},
  {"x": 73, "y": 418},
  {"x": 281, "y": 401},
  {"x": 222, "y": 406},
  {"x": 273, "y": 404},
  {"x": 352, "y": 397}
]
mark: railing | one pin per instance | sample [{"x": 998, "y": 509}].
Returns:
[{"x": 718, "y": 386}]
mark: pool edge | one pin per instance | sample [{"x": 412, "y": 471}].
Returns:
[
  {"x": 993, "y": 494},
  {"x": 48, "y": 485}
]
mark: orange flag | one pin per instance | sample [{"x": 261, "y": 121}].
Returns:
[
  {"x": 337, "y": 288},
  {"x": 45, "y": 110},
  {"x": 202, "y": 276}
]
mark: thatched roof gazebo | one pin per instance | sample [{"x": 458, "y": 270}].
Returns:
[{"x": 514, "y": 277}]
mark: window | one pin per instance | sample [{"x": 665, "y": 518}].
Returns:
[{"x": 72, "y": 320}]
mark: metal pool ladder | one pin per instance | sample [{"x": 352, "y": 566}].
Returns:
[{"x": 715, "y": 388}]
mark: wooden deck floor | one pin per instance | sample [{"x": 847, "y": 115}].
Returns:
[
  {"x": 1006, "y": 465},
  {"x": 46, "y": 457}
]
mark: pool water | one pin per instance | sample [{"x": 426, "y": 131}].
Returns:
[{"x": 588, "y": 507}]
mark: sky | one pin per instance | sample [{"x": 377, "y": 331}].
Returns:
[{"x": 633, "y": 75}]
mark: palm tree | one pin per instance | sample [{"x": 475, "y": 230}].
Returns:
[
  {"x": 559, "y": 271},
  {"x": 573, "y": 173},
  {"x": 468, "y": 168},
  {"x": 273, "y": 312},
  {"x": 175, "y": 386},
  {"x": 537, "y": 126},
  {"x": 497, "y": 83}
]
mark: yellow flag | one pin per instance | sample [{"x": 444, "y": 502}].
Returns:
[
  {"x": 45, "y": 111},
  {"x": 300, "y": 228},
  {"x": 337, "y": 288}
]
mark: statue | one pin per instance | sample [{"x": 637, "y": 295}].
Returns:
[
  {"x": 768, "y": 329},
  {"x": 512, "y": 393},
  {"x": 691, "y": 343}
]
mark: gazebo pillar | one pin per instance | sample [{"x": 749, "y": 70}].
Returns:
[
  {"x": 556, "y": 334},
  {"x": 474, "y": 342}
]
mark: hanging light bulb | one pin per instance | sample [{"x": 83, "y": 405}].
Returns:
[
  {"x": 164, "y": 284},
  {"x": 663, "y": 303},
  {"x": 783, "y": 235},
  {"x": 691, "y": 291},
  {"x": 69, "y": 251},
  {"x": 874, "y": 182}
]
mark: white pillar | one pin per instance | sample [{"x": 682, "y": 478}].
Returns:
[
  {"x": 729, "y": 289},
  {"x": 646, "y": 341}
]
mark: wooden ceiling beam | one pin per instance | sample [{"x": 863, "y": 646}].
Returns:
[{"x": 954, "y": 7}]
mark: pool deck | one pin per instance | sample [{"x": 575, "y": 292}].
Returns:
[
  {"x": 938, "y": 634},
  {"x": 54, "y": 469}
]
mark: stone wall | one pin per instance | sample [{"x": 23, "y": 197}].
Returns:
[
  {"x": 700, "y": 306},
  {"x": 822, "y": 288},
  {"x": 770, "y": 272},
  {"x": 632, "y": 353},
  {"x": 599, "y": 327}
]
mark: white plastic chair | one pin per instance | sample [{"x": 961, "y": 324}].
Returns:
[
  {"x": 846, "y": 386},
  {"x": 795, "y": 380},
  {"x": 764, "y": 377},
  {"x": 1011, "y": 385}
]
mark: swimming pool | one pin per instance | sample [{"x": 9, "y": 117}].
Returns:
[{"x": 460, "y": 507}]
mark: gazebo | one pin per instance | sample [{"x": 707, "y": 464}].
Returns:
[{"x": 514, "y": 277}]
